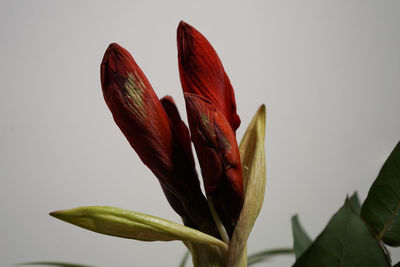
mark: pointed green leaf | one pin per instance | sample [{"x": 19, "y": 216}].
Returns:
[
  {"x": 355, "y": 203},
  {"x": 347, "y": 242},
  {"x": 267, "y": 254},
  {"x": 301, "y": 240},
  {"x": 134, "y": 225},
  {"x": 57, "y": 264},
  {"x": 252, "y": 153},
  {"x": 381, "y": 207}
]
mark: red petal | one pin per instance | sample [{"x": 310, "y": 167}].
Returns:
[
  {"x": 179, "y": 127},
  {"x": 219, "y": 157},
  {"x": 141, "y": 117},
  {"x": 202, "y": 73}
]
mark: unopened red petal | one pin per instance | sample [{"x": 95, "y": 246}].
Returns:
[
  {"x": 179, "y": 127},
  {"x": 202, "y": 73},
  {"x": 219, "y": 157}
]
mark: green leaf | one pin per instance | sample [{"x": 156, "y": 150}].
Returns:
[
  {"x": 347, "y": 242},
  {"x": 50, "y": 263},
  {"x": 355, "y": 203},
  {"x": 268, "y": 254},
  {"x": 301, "y": 240},
  {"x": 184, "y": 259},
  {"x": 381, "y": 207},
  {"x": 134, "y": 225},
  {"x": 252, "y": 153},
  {"x": 253, "y": 258}
]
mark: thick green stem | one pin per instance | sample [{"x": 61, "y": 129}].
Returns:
[
  {"x": 204, "y": 256},
  {"x": 243, "y": 259}
]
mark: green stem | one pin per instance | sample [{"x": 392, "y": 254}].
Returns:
[
  {"x": 243, "y": 259},
  {"x": 207, "y": 256}
]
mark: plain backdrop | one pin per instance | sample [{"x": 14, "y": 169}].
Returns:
[{"x": 328, "y": 72}]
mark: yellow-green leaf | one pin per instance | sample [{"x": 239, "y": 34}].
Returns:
[
  {"x": 252, "y": 153},
  {"x": 133, "y": 225}
]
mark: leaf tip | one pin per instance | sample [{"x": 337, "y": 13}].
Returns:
[
  {"x": 61, "y": 214},
  {"x": 295, "y": 217},
  {"x": 56, "y": 214},
  {"x": 261, "y": 118},
  {"x": 263, "y": 108},
  {"x": 262, "y": 112}
]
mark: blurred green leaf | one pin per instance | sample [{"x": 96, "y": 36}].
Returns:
[
  {"x": 397, "y": 265},
  {"x": 355, "y": 203},
  {"x": 268, "y": 254},
  {"x": 347, "y": 242},
  {"x": 50, "y": 263},
  {"x": 252, "y": 154},
  {"x": 184, "y": 259},
  {"x": 301, "y": 240},
  {"x": 381, "y": 207},
  {"x": 253, "y": 258},
  {"x": 133, "y": 225}
]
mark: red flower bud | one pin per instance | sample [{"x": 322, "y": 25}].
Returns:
[
  {"x": 202, "y": 73},
  {"x": 219, "y": 158},
  {"x": 164, "y": 149},
  {"x": 136, "y": 109}
]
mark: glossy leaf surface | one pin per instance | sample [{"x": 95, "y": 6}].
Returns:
[
  {"x": 347, "y": 242},
  {"x": 381, "y": 207}
]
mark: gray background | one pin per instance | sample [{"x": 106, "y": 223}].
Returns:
[{"x": 328, "y": 72}]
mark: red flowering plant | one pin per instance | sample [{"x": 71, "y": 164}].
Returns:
[{"x": 217, "y": 224}]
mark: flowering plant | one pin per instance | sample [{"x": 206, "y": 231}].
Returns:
[{"x": 217, "y": 224}]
